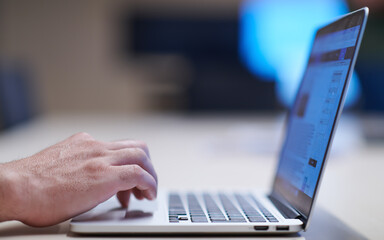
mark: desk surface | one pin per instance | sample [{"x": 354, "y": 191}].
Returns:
[{"x": 247, "y": 145}]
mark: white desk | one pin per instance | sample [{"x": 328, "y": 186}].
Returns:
[{"x": 222, "y": 152}]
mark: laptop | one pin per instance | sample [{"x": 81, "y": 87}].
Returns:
[{"x": 288, "y": 207}]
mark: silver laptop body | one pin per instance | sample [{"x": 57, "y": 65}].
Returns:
[{"x": 287, "y": 207}]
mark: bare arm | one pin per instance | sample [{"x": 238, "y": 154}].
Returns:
[{"x": 72, "y": 177}]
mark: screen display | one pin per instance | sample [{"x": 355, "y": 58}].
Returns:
[{"x": 312, "y": 118}]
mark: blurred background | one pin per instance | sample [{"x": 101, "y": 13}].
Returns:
[{"x": 171, "y": 56}]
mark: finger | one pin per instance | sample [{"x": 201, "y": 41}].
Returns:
[
  {"x": 130, "y": 156},
  {"x": 138, "y": 194},
  {"x": 81, "y": 135},
  {"x": 127, "y": 177},
  {"x": 123, "y": 197},
  {"x": 117, "y": 145}
]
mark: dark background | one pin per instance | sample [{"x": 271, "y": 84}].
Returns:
[{"x": 145, "y": 56}]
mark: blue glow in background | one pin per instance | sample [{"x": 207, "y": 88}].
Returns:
[{"x": 276, "y": 37}]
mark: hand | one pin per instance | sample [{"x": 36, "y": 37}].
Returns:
[{"x": 72, "y": 177}]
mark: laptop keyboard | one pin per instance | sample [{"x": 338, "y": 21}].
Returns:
[
  {"x": 195, "y": 211},
  {"x": 222, "y": 210}
]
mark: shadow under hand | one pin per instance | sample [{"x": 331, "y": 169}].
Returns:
[{"x": 13, "y": 228}]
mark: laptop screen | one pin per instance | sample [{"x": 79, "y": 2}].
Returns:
[{"x": 313, "y": 117}]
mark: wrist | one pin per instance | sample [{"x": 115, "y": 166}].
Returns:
[{"x": 8, "y": 198}]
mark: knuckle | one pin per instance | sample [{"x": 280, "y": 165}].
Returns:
[
  {"x": 95, "y": 148},
  {"x": 98, "y": 152},
  {"x": 83, "y": 135},
  {"x": 95, "y": 166},
  {"x": 92, "y": 149},
  {"x": 143, "y": 145},
  {"x": 137, "y": 171},
  {"x": 138, "y": 154}
]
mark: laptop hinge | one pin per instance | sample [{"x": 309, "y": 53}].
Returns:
[{"x": 285, "y": 210}]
